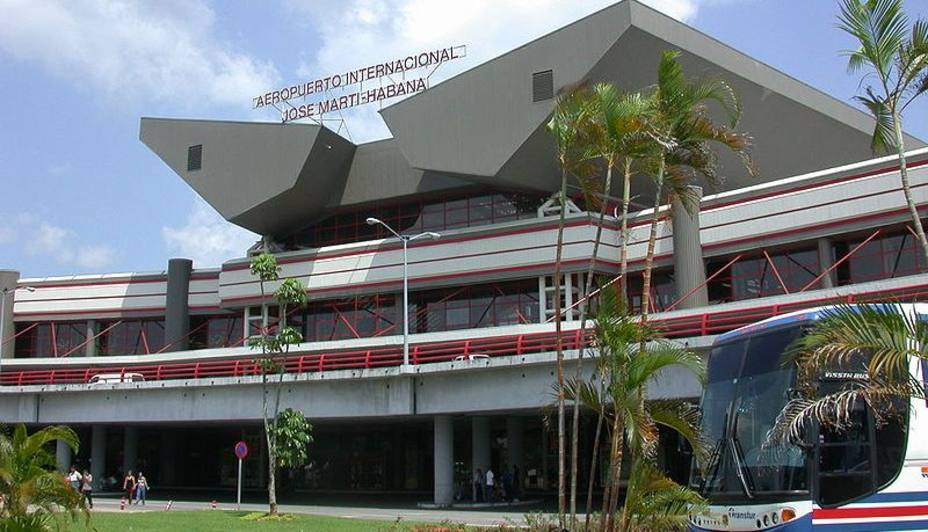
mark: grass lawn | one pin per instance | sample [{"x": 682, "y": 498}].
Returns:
[{"x": 208, "y": 520}]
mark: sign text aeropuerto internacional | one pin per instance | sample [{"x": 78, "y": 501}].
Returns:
[{"x": 361, "y": 96}]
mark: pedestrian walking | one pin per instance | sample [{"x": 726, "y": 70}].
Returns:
[
  {"x": 491, "y": 481},
  {"x": 74, "y": 479},
  {"x": 141, "y": 489},
  {"x": 87, "y": 488},
  {"x": 516, "y": 483},
  {"x": 478, "y": 485},
  {"x": 128, "y": 485}
]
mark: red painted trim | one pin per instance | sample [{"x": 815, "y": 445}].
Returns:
[
  {"x": 103, "y": 298},
  {"x": 843, "y": 221},
  {"x": 809, "y": 186},
  {"x": 869, "y": 511},
  {"x": 801, "y": 209},
  {"x": 389, "y": 246}
]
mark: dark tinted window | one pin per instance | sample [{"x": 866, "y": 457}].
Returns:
[
  {"x": 861, "y": 458},
  {"x": 194, "y": 157}
]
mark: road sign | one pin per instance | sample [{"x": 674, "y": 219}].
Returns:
[{"x": 241, "y": 450}]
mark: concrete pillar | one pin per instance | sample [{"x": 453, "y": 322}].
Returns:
[
  {"x": 62, "y": 456},
  {"x": 177, "y": 313},
  {"x": 8, "y": 279},
  {"x": 826, "y": 259},
  {"x": 90, "y": 349},
  {"x": 98, "y": 455},
  {"x": 444, "y": 460},
  {"x": 689, "y": 269},
  {"x": 130, "y": 448}
]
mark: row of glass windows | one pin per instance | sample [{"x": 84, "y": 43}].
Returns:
[
  {"x": 466, "y": 307},
  {"x": 439, "y": 214}
]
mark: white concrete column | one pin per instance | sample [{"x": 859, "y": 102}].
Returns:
[
  {"x": 62, "y": 456},
  {"x": 826, "y": 259},
  {"x": 130, "y": 448},
  {"x": 444, "y": 460},
  {"x": 98, "y": 455},
  {"x": 90, "y": 349},
  {"x": 689, "y": 269},
  {"x": 8, "y": 280}
]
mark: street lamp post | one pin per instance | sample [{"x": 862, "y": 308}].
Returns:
[
  {"x": 3, "y": 294},
  {"x": 405, "y": 239}
]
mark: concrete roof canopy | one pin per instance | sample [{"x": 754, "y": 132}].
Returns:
[{"x": 483, "y": 127}]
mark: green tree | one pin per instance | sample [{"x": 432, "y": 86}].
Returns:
[
  {"x": 685, "y": 134},
  {"x": 626, "y": 371},
  {"x": 615, "y": 135},
  {"x": 34, "y": 494},
  {"x": 275, "y": 343},
  {"x": 898, "y": 59},
  {"x": 880, "y": 340},
  {"x": 566, "y": 126},
  {"x": 294, "y": 434}
]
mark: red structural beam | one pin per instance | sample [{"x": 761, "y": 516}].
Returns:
[
  {"x": 841, "y": 261},
  {"x": 702, "y": 284},
  {"x": 776, "y": 272},
  {"x": 29, "y": 328}
]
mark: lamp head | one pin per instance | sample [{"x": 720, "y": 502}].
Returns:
[{"x": 372, "y": 221}]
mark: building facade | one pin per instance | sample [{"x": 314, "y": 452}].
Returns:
[{"x": 153, "y": 371}]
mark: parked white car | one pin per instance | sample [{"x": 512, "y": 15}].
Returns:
[{"x": 116, "y": 378}]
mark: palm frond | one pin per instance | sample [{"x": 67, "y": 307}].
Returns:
[{"x": 883, "y": 139}]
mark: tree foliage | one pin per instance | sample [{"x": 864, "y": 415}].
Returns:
[
  {"x": 34, "y": 495},
  {"x": 293, "y": 433},
  {"x": 283, "y": 441}
]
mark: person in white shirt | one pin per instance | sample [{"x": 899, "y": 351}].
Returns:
[
  {"x": 490, "y": 486},
  {"x": 74, "y": 479}
]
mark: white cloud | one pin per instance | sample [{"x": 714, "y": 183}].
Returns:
[
  {"x": 207, "y": 238},
  {"x": 371, "y": 31},
  {"x": 126, "y": 49},
  {"x": 63, "y": 245},
  {"x": 7, "y": 234}
]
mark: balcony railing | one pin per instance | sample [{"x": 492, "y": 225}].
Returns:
[{"x": 680, "y": 324}]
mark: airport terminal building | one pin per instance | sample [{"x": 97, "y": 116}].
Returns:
[{"x": 470, "y": 159}]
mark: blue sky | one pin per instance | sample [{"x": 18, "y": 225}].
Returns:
[{"x": 80, "y": 194}]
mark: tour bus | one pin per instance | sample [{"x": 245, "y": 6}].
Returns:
[{"x": 872, "y": 476}]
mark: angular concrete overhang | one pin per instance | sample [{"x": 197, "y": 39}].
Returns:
[
  {"x": 484, "y": 123},
  {"x": 265, "y": 177}
]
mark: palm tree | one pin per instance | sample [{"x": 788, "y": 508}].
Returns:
[
  {"x": 899, "y": 62},
  {"x": 614, "y": 134},
  {"x": 33, "y": 493},
  {"x": 627, "y": 370},
  {"x": 565, "y": 126},
  {"x": 685, "y": 134},
  {"x": 888, "y": 334},
  {"x": 654, "y": 502}
]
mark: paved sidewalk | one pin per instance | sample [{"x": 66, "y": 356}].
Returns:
[{"x": 470, "y": 517}]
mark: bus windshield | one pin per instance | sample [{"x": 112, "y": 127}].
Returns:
[{"x": 747, "y": 386}]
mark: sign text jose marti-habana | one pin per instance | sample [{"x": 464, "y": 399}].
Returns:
[{"x": 361, "y": 96}]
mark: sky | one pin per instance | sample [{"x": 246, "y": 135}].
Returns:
[{"x": 79, "y": 193}]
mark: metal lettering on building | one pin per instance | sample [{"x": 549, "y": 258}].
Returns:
[{"x": 392, "y": 88}]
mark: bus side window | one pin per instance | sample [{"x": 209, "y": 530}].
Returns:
[{"x": 860, "y": 459}]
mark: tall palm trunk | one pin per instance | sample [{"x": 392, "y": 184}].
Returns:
[
  {"x": 561, "y": 470},
  {"x": 906, "y": 189},
  {"x": 584, "y": 307},
  {"x": 652, "y": 241},
  {"x": 626, "y": 199},
  {"x": 592, "y": 477},
  {"x": 611, "y": 494}
]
